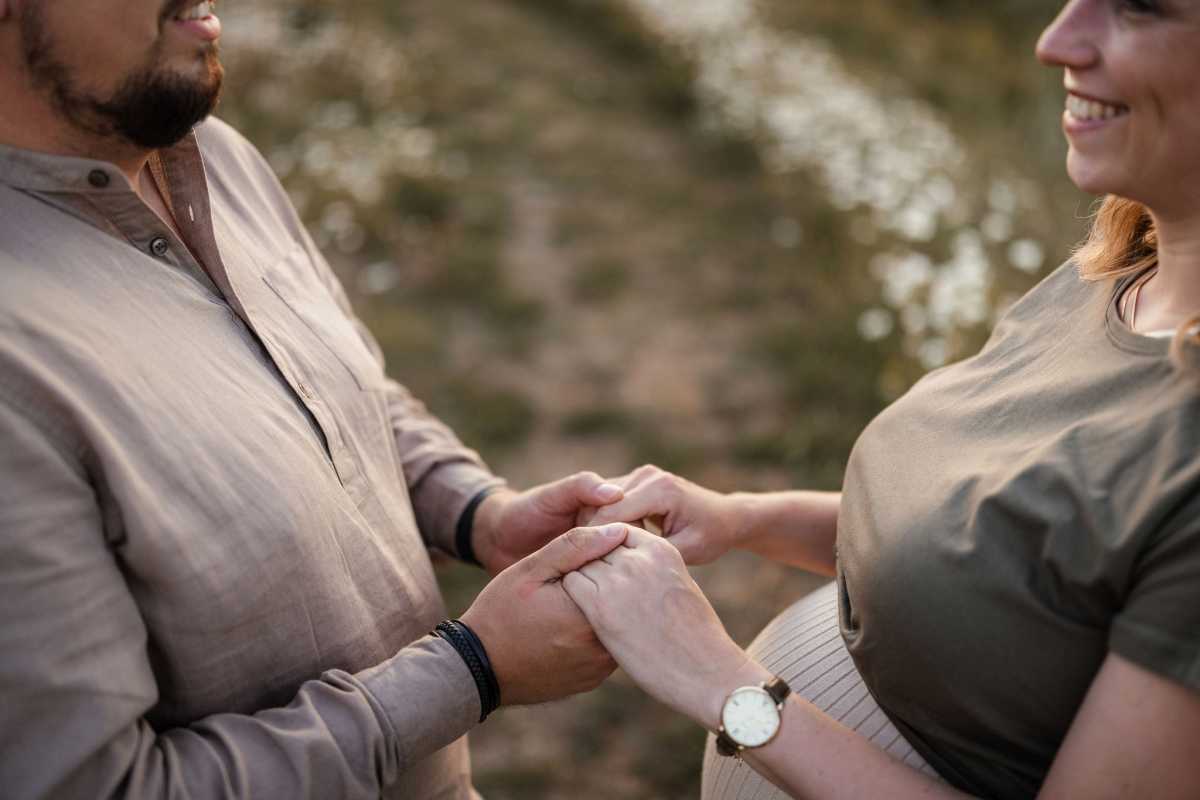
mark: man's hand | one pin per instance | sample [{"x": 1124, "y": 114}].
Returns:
[
  {"x": 702, "y": 524},
  {"x": 509, "y": 526},
  {"x": 540, "y": 645}
]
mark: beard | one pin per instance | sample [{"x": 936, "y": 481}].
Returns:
[{"x": 152, "y": 107}]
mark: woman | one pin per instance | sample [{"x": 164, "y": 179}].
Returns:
[{"x": 1017, "y": 545}]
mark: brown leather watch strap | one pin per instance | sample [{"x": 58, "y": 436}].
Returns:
[
  {"x": 778, "y": 689},
  {"x": 725, "y": 745}
]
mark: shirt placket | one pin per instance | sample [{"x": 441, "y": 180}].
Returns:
[
  {"x": 149, "y": 234},
  {"x": 336, "y": 451},
  {"x": 183, "y": 168},
  {"x": 127, "y": 215}
]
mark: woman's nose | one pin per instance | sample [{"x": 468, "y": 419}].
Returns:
[{"x": 1071, "y": 40}]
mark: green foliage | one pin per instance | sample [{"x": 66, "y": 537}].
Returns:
[
  {"x": 973, "y": 60},
  {"x": 427, "y": 199},
  {"x": 827, "y": 380},
  {"x": 481, "y": 414},
  {"x": 667, "y": 77},
  {"x": 598, "y": 421},
  {"x": 600, "y": 281},
  {"x": 652, "y": 444}
]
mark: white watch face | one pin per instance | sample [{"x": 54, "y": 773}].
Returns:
[{"x": 750, "y": 717}]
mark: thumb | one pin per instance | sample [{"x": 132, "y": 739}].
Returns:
[
  {"x": 583, "y": 592},
  {"x": 575, "y": 548},
  {"x": 582, "y": 489}
]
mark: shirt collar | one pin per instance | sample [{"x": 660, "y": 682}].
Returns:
[{"x": 47, "y": 172}]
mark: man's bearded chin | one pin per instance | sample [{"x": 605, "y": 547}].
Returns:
[{"x": 152, "y": 108}]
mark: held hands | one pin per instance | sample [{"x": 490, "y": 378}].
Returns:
[
  {"x": 540, "y": 645},
  {"x": 701, "y": 523},
  {"x": 657, "y": 624},
  {"x": 510, "y": 525}
]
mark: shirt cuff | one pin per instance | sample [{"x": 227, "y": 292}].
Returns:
[
  {"x": 441, "y": 497},
  {"x": 427, "y": 697}
]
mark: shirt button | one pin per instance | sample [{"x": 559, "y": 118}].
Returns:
[
  {"x": 159, "y": 246},
  {"x": 98, "y": 178},
  {"x": 304, "y": 390}
]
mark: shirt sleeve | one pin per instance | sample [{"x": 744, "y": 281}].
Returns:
[
  {"x": 1159, "y": 626},
  {"x": 76, "y": 681}
]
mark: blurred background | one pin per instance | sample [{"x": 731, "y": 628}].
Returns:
[{"x": 716, "y": 235}]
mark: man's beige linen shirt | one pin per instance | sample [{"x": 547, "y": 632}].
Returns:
[{"x": 214, "y": 506}]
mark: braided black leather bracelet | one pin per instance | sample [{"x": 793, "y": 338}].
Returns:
[{"x": 470, "y": 648}]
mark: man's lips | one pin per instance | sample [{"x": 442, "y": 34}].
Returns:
[{"x": 197, "y": 18}]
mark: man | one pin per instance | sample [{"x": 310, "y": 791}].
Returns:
[{"x": 214, "y": 506}]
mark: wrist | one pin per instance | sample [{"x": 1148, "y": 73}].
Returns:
[
  {"x": 470, "y": 648},
  {"x": 743, "y": 511},
  {"x": 710, "y": 695},
  {"x": 486, "y": 527},
  {"x": 794, "y": 527}
]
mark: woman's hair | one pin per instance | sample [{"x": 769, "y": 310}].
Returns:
[{"x": 1123, "y": 241}]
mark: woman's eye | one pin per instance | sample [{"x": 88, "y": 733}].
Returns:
[{"x": 1140, "y": 6}]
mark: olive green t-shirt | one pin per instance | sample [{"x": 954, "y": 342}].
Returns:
[{"x": 1014, "y": 518}]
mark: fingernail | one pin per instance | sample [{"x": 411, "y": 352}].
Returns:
[
  {"x": 608, "y": 491},
  {"x": 613, "y": 531}
]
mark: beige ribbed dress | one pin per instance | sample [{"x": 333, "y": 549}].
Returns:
[{"x": 804, "y": 646}]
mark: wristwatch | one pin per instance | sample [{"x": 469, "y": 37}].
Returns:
[{"x": 751, "y": 716}]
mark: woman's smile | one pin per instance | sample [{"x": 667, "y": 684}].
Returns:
[{"x": 1086, "y": 114}]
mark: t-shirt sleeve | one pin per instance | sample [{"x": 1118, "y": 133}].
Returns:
[{"x": 1159, "y": 626}]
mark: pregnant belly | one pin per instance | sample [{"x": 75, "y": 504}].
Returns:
[{"x": 804, "y": 646}]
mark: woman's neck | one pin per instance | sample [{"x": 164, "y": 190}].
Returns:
[{"x": 1173, "y": 296}]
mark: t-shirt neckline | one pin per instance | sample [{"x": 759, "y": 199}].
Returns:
[{"x": 1124, "y": 337}]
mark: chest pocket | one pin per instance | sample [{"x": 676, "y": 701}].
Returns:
[{"x": 294, "y": 281}]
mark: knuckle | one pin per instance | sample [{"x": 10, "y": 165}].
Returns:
[
  {"x": 575, "y": 538},
  {"x": 665, "y": 481},
  {"x": 663, "y": 552}
]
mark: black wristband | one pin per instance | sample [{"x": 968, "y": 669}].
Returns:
[
  {"x": 466, "y": 527},
  {"x": 470, "y": 648}
]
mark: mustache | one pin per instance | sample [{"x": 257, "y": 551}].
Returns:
[{"x": 173, "y": 7}]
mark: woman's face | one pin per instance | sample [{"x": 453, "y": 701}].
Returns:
[{"x": 1132, "y": 118}]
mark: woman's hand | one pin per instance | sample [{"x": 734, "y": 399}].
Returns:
[
  {"x": 654, "y": 620},
  {"x": 701, "y": 523},
  {"x": 794, "y": 527}
]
